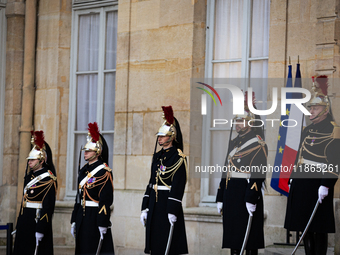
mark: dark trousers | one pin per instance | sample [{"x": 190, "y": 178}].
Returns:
[{"x": 315, "y": 243}]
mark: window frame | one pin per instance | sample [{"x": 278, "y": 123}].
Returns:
[
  {"x": 3, "y": 33},
  {"x": 76, "y": 13},
  {"x": 206, "y": 199}
]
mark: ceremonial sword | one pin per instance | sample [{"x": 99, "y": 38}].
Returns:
[
  {"x": 167, "y": 250},
  {"x": 36, "y": 248},
  {"x": 308, "y": 224},
  {"x": 99, "y": 245},
  {"x": 250, "y": 219}
]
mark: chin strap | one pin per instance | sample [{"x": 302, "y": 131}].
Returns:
[
  {"x": 167, "y": 142},
  {"x": 35, "y": 166},
  {"x": 89, "y": 159},
  {"x": 321, "y": 113},
  {"x": 243, "y": 131}
]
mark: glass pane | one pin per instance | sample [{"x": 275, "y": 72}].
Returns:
[
  {"x": 109, "y": 140},
  {"x": 80, "y": 141},
  {"x": 260, "y": 28},
  {"x": 259, "y": 83},
  {"x": 228, "y": 29},
  {"x": 226, "y": 110},
  {"x": 86, "y": 100},
  {"x": 88, "y": 43},
  {"x": 109, "y": 101},
  {"x": 227, "y": 70},
  {"x": 219, "y": 145},
  {"x": 111, "y": 40}
]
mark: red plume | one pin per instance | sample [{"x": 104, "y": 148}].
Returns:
[
  {"x": 168, "y": 114},
  {"x": 246, "y": 99},
  {"x": 322, "y": 80},
  {"x": 39, "y": 139},
  {"x": 94, "y": 131}
]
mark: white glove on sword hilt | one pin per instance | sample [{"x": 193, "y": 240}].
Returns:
[
  {"x": 73, "y": 229},
  {"x": 38, "y": 237},
  {"x": 323, "y": 192},
  {"x": 144, "y": 216},
  {"x": 219, "y": 207},
  {"x": 172, "y": 218},
  {"x": 251, "y": 208},
  {"x": 102, "y": 231}
]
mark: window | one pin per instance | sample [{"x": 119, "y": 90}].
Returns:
[
  {"x": 92, "y": 82},
  {"x": 3, "y": 29},
  {"x": 236, "y": 47}
]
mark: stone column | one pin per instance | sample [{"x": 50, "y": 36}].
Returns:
[{"x": 15, "y": 11}]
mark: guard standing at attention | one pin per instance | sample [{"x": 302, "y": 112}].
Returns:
[
  {"x": 316, "y": 172},
  {"x": 162, "y": 201},
  {"x": 34, "y": 224},
  {"x": 90, "y": 220},
  {"x": 240, "y": 192}
]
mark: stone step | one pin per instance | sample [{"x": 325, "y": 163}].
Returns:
[
  {"x": 287, "y": 250},
  {"x": 58, "y": 250}
]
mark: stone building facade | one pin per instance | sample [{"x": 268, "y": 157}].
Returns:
[{"x": 157, "y": 48}]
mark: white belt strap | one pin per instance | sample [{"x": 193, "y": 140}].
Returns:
[
  {"x": 33, "y": 205},
  {"x": 91, "y": 203},
  {"x": 246, "y": 144},
  {"x": 92, "y": 173},
  {"x": 35, "y": 180},
  {"x": 239, "y": 175},
  {"x": 161, "y": 187},
  {"x": 317, "y": 164}
]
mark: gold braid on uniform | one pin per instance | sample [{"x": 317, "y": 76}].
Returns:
[
  {"x": 326, "y": 137},
  {"x": 172, "y": 169},
  {"x": 46, "y": 184},
  {"x": 99, "y": 181},
  {"x": 246, "y": 153}
]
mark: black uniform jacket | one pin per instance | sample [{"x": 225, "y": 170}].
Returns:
[
  {"x": 170, "y": 165},
  {"x": 235, "y": 192},
  {"x": 98, "y": 188},
  {"x": 44, "y": 191},
  {"x": 318, "y": 144}
]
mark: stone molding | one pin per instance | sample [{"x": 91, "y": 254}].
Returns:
[
  {"x": 81, "y": 4},
  {"x": 15, "y": 9}
]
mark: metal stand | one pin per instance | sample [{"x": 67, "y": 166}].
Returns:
[
  {"x": 9, "y": 228},
  {"x": 288, "y": 236}
]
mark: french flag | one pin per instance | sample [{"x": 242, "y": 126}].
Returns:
[{"x": 288, "y": 139}]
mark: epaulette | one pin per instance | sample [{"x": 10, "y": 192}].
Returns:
[
  {"x": 260, "y": 140},
  {"x": 107, "y": 168},
  {"x": 336, "y": 131},
  {"x": 52, "y": 176},
  {"x": 180, "y": 153}
]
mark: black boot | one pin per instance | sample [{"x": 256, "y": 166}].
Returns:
[
  {"x": 251, "y": 252},
  {"x": 321, "y": 243},
  {"x": 234, "y": 252},
  {"x": 309, "y": 242}
]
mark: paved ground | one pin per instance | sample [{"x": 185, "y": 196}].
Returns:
[
  {"x": 287, "y": 250},
  {"x": 271, "y": 250}
]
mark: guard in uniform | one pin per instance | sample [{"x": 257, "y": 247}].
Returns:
[
  {"x": 162, "y": 201},
  {"x": 90, "y": 222},
  {"x": 34, "y": 224},
  {"x": 315, "y": 174},
  {"x": 240, "y": 191}
]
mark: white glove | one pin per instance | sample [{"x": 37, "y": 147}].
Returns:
[
  {"x": 251, "y": 208},
  {"x": 102, "y": 231},
  {"x": 73, "y": 229},
  {"x": 38, "y": 237},
  {"x": 172, "y": 218},
  {"x": 323, "y": 192},
  {"x": 219, "y": 207},
  {"x": 144, "y": 216}
]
